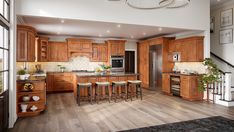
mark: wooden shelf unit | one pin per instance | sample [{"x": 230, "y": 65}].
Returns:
[{"x": 38, "y": 90}]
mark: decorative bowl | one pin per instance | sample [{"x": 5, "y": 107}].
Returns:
[
  {"x": 36, "y": 98},
  {"x": 33, "y": 108},
  {"x": 28, "y": 87},
  {"x": 26, "y": 98}
]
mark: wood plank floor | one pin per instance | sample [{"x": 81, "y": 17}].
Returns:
[{"x": 64, "y": 115}]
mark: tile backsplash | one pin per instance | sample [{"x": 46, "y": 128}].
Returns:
[
  {"x": 76, "y": 63},
  {"x": 191, "y": 66}
]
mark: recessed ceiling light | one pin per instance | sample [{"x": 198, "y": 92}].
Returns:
[
  {"x": 62, "y": 21},
  {"x": 160, "y": 29},
  {"x": 118, "y": 25},
  {"x": 108, "y": 31}
]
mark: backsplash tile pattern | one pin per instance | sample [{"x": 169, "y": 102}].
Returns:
[
  {"x": 191, "y": 66},
  {"x": 76, "y": 63}
]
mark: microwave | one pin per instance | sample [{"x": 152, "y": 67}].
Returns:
[
  {"x": 176, "y": 57},
  {"x": 117, "y": 63}
]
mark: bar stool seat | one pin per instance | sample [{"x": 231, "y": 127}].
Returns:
[
  {"x": 137, "y": 85},
  {"x": 84, "y": 85},
  {"x": 122, "y": 85},
  {"x": 98, "y": 93}
]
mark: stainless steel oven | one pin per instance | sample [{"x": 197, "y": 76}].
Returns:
[{"x": 117, "y": 63}]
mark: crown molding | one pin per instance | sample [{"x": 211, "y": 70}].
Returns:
[
  {"x": 228, "y": 3},
  {"x": 20, "y": 20}
]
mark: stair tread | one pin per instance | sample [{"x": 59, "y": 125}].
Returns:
[{"x": 226, "y": 100}]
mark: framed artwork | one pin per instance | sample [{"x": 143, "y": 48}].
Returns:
[
  {"x": 226, "y": 18},
  {"x": 226, "y": 36},
  {"x": 212, "y": 24}
]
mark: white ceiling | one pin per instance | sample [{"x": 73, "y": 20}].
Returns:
[
  {"x": 82, "y": 28},
  {"x": 214, "y": 3}
]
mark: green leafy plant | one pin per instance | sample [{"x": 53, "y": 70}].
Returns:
[
  {"x": 21, "y": 72},
  {"x": 211, "y": 76},
  {"x": 105, "y": 67}
]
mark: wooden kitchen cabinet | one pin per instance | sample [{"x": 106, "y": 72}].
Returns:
[
  {"x": 99, "y": 52},
  {"x": 43, "y": 49},
  {"x": 191, "y": 49},
  {"x": 189, "y": 88},
  {"x": 116, "y": 47},
  {"x": 79, "y": 47},
  {"x": 58, "y": 51},
  {"x": 166, "y": 88},
  {"x": 143, "y": 63},
  {"x": 26, "y": 41},
  {"x": 58, "y": 82}
]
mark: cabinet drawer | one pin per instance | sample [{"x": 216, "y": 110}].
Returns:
[{"x": 62, "y": 86}]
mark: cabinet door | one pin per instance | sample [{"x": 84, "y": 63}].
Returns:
[
  {"x": 22, "y": 43},
  {"x": 49, "y": 82},
  {"x": 166, "y": 83},
  {"x": 121, "y": 49},
  {"x": 114, "y": 49},
  {"x": 184, "y": 86},
  {"x": 52, "y": 52},
  {"x": 31, "y": 47},
  {"x": 172, "y": 46},
  {"x": 103, "y": 53},
  {"x": 95, "y": 52},
  {"x": 190, "y": 50},
  {"x": 62, "y": 52}
]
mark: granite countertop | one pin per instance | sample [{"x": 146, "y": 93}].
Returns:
[
  {"x": 84, "y": 74},
  {"x": 33, "y": 79},
  {"x": 180, "y": 74}
]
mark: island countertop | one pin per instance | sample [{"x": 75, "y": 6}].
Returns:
[
  {"x": 86, "y": 74},
  {"x": 33, "y": 79}
]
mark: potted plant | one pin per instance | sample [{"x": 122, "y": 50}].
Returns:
[
  {"x": 211, "y": 76},
  {"x": 62, "y": 68},
  {"x": 22, "y": 74},
  {"x": 105, "y": 68}
]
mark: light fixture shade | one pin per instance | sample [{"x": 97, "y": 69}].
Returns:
[
  {"x": 178, "y": 3},
  {"x": 148, "y": 4}
]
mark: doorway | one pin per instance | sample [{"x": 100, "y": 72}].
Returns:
[{"x": 130, "y": 61}]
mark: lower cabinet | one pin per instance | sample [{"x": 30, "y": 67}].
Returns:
[
  {"x": 166, "y": 88},
  {"x": 189, "y": 88},
  {"x": 60, "y": 82}
]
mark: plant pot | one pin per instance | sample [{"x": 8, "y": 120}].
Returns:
[{"x": 22, "y": 77}]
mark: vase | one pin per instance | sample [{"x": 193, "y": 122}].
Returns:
[{"x": 24, "y": 107}]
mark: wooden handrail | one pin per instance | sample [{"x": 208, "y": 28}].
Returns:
[{"x": 222, "y": 59}]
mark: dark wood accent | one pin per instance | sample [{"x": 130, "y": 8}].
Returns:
[
  {"x": 130, "y": 61},
  {"x": 4, "y": 111},
  {"x": 216, "y": 56}
]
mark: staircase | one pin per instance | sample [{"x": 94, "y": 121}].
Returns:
[{"x": 222, "y": 92}]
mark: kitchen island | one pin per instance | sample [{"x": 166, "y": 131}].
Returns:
[{"x": 98, "y": 77}]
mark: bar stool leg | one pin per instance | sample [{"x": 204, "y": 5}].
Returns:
[
  {"x": 126, "y": 91},
  {"x": 140, "y": 91},
  {"x": 98, "y": 94},
  {"x": 109, "y": 97},
  {"x": 91, "y": 94},
  {"x": 78, "y": 95}
]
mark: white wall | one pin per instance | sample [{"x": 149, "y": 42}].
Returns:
[
  {"x": 224, "y": 51},
  {"x": 194, "y": 16}
]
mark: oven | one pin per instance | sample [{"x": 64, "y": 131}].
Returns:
[{"x": 117, "y": 63}]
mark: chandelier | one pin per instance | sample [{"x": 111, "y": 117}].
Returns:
[{"x": 155, "y": 4}]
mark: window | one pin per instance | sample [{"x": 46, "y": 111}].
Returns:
[
  {"x": 4, "y": 45},
  {"x": 4, "y": 9}
]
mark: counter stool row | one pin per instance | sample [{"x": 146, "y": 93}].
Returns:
[{"x": 126, "y": 90}]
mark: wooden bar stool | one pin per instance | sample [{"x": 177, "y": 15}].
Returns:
[
  {"x": 115, "y": 86},
  {"x": 90, "y": 93},
  {"x": 137, "y": 85},
  {"x": 98, "y": 90}
]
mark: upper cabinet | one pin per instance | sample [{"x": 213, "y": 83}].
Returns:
[
  {"x": 43, "y": 49},
  {"x": 99, "y": 52},
  {"x": 117, "y": 47},
  {"x": 26, "y": 40},
  {"x": 58, "y": 51},
  {"x": 191, "y": 49},
  {"x": 79, "y": 47}
]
